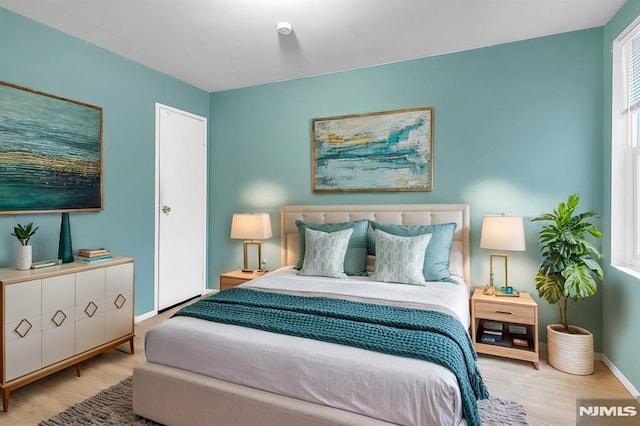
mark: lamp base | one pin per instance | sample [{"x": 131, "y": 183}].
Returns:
[
  {"x": 248, "y": 271},
  {"x": 245, "y": 246},
  {"x": 506, "y": 268}
]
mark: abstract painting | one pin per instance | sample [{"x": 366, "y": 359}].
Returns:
[
  {"x": 50, "y": 153},
  {"x": 382, "y": 151}
]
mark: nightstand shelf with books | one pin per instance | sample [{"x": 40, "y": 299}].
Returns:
[{"x": 505, "y": 326}]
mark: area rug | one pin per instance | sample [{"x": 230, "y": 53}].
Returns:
[{"x": 112, "y": 407}]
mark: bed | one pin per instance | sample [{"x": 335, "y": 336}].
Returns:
[{"x": 199, "y": 372}]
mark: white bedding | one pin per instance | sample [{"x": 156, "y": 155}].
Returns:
[
  {"x": 396, "y": 389},
  {"x": 441, "y": 296}
]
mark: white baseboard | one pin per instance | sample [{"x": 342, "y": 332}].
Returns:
[
  {"x": 625, "y": 382},
  {"x": 143, "y": 317},
  {"x": 150, "y": 314}
]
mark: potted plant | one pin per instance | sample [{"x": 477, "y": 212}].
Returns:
[
  {"x": 24, "y": 234},
  {"x": 568, "y": 271}
]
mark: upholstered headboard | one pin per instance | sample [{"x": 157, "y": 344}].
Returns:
[{"x": 401, "y": 214}]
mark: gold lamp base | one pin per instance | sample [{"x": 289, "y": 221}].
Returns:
[
  {"x": 489, "y": 289},
  {"x": 245, "y": 246}
]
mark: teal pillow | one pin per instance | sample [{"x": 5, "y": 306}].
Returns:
[
  {"x": 400, "y": 259},
  {"x": 355, "y": 261},
  {"x": 371, "y": 242},
  {"x": 325, "y": 253},
  {"x": 436, "y": 257}
]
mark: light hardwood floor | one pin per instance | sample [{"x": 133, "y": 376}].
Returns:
[{"x": 549, "y": 396}]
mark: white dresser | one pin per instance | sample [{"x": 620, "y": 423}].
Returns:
[{"x": 56, "y": 317}]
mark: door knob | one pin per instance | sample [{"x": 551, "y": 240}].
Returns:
[{"x": 166, "y": 210}]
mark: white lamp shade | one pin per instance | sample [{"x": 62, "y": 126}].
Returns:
[
  {"x": 251, "y": 226},
  {"x": 502, "y": 233}
]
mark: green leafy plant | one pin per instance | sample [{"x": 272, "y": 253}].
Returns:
[
  {"x": 568, "y": 268},
  {"x": 24, "y": 233}
]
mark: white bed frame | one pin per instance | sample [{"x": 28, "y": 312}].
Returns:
[{"x": 177, "y": 397}]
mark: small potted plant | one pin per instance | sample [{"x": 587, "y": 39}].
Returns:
[
  {"x": 24, "y": 234},
  {"x": 568, "y": 271}
]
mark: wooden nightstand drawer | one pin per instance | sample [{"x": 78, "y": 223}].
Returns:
[
  {"x": 505, "y": 312},
  {"x": 235, "y": 278},
  {"x": 228, "y": 282}
]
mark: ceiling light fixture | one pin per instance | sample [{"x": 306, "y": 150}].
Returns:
[{"x": 284, "y": 28}]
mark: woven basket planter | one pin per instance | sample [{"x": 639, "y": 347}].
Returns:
[{"x": 571, "y": 353}]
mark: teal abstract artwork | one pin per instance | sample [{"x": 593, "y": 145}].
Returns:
[
  {"x": 383, "y": 151},
  {"x": 50, "y": 153}
]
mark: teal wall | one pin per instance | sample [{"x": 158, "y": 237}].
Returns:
[
  {"x": 518, "y": 127},
  {"x": 621, "y": 314},
  {"x": 40, "y": 58}
]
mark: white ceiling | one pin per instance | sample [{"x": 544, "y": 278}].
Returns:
[{"x": 224, "y": 44}]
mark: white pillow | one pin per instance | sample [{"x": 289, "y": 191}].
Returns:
[
  {"x": 400, "y": 259},
  {"x": 456, "y": 262},
  {"x": 325, "y": 252}
]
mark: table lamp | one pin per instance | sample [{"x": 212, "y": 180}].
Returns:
[
  {"x": 505, "y": 233},
  {"x": 251, "y": 227}
]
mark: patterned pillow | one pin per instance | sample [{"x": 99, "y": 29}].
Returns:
[
  {"x": 400, "y": 259},
  {"x": 436, "y": 258},
  {"x": 356, "y": 258},
  {"x": 325, "y": 252}
]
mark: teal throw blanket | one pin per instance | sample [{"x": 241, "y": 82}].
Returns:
[{"x": 415, "y": 333}]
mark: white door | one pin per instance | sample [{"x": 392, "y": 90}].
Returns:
[{"x": 181, "y": 159}]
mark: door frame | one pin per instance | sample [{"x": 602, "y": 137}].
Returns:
[{"x": 156, "y": 255}]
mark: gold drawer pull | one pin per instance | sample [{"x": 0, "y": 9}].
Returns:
[
  {"x": 58, "y": 318},
  {"x": 91, "y": 307},
  {"x": 120, "y": 301},
  {"x": 503, "y": 312},
  {"x": 20, "y": 326}
]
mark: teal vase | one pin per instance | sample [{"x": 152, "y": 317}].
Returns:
[{"x": 65, "y": 252}]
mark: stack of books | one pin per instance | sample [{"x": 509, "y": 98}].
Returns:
[
  {"x": 490, "y": 336},
  {"x": 93, "y": 255},
  {"x": 519, "y": 335},
  {"x": 492, "y": 332}
]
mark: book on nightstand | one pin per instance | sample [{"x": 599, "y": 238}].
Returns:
[
  {"x": 517, "y": 341},
  {"x": 491, "y": 338},
  {"x": 517, "y": 329},
  {"x": 492, "y": 325}
]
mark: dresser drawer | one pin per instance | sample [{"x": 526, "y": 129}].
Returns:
[{"x": 505, "y": 312}]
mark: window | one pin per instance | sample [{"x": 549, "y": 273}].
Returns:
[{"x": 625, "y": 150}]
